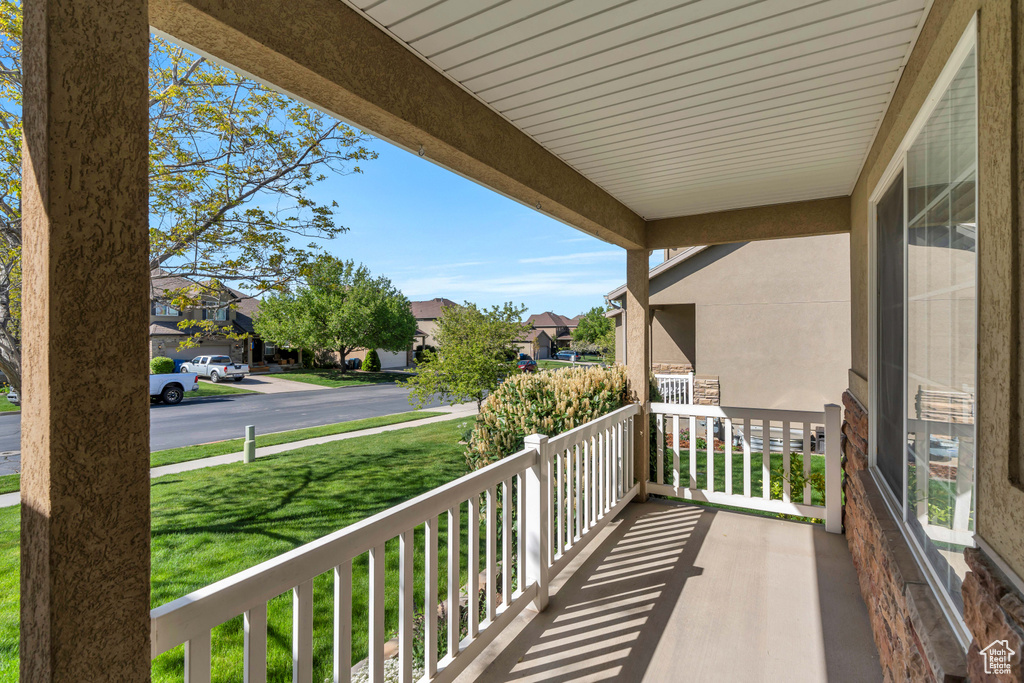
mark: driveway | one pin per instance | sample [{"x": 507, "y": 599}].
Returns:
[
  {"x": 225, "y": 417},
  {"x": 268, "y": 384}
]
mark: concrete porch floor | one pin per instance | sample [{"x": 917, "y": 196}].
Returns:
[{"x": 672, "y": 592}]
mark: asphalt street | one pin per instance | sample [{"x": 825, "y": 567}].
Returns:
[{"x": 225, "y": 417}]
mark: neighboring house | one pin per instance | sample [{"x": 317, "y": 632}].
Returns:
[
  {"x": 536, "y": 344},
  {"x": 762, "y": 324},
  {"x": 557, "y": 327},
  {"x": 165, "y": 336},
  {"x": 426, "y": 314}
]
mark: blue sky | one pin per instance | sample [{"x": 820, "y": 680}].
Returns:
[{"x": 436, "y": 234}]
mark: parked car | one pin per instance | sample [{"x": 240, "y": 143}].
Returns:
[
  {"x": 524, "y": 356},
  {"x": 13, "y": 398},
  {"x": 171, "y": 388},
  {"x": 216, "y": 368},
  {"x": 568, "y": 355},
  {"x": 528, "y": 365}
]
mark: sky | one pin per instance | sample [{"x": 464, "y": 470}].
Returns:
[{"x": 437, "y": 234}]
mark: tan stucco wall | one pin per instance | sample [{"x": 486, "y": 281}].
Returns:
[
  {"x": 1000, "y": 502},
  {"x": 673, "y": 335},
  {"x": 772, "y": 319},
  {"x": 429, "y": 327}
]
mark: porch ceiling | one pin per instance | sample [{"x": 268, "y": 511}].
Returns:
[{"x": 675, "y": 107}]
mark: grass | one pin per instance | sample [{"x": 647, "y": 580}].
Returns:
[
  {"x": 213, "y": 523},
  {"x": 9, "y": 483},
  {"x": 209, "y": 450},
  {"x": 211, "y": 389},
  {"x": 337, "y": 378},
  {"x": 548, "y": 364},
  {"x": 7, "y": 406},
  {"x": 756, "y": 489}
]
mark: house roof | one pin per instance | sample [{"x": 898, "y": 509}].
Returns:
[
  {"x": 530, "y": 335},
  {"x": 430, "y": 309},
  {"x": 573, "y": 323},
  {"x": 160, "y": 281},
  {"x": 665, "y": 265},
  {"x": 547, "y": 319}
]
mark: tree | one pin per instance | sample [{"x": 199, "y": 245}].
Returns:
[
  {"x": 593, "y": 332},
  {"x": 231, "y": 165},
  {"x": 338, "y": 306},
  {"x": 476, "y": 349}
]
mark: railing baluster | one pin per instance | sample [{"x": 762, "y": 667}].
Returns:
[
  {"x": 660, "y": 462},
  {"x": 560, "y": 502},
  {"x": 609, "y": 460},
  {"x": 197, "y": 659},
  {"x": 506, "y": 543},
  {"x": 808, "y": 455},
  {"x": 520, "y": 531},
  {"x": 473, "y": 538},
  {"x": 747, "y": 473},
  {"x": 693, "y": 453},
  {"x": 492, "y": 529},
  {"x": 766, "y": 458},
  {"x": 430, "y": 528},
  {"x": 727, "y": 460},
  {"x": 709, "y": 452},
  {"x": 406, "y": 611},
  {"x": 599, "y": 454},
  {"x": 302, "y": 632},
  {"x": 786, "y": 483},
  {"x": 613, "y": 490},
  {"x": 343, "y": 622},
  {"x": 592, "y": 504},
  {"x": 570, "y": 496},
  {"x": 254, "y": 652},
  {"x": 622, "y": 461},
  {"x": 454, "y": 576},
  {"x": 376, "y": 625},
  {"x": 580, "y": 479},
  {"x": 676, "y": 438}
]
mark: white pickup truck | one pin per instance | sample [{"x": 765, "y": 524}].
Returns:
[
  {"x": 171, "y": 388},
  {"x": 216, "y": 368}
]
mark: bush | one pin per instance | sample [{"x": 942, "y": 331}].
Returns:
[
  {"x": 543, "y": 403},
  {"x": 372, "y": 362},
  {"x": 420, "y": 352},
  {"x": 161, "y": 365}
]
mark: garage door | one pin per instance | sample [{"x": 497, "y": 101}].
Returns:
[
  {"x": 171, "y": 350},
  {"x": 210, "y": 350},
  {"x": 391, "y": 360}
]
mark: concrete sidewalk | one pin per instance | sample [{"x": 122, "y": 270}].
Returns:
[{"x": 451, "y": 412}]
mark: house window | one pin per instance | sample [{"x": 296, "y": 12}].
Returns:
[
  {"x": 221, "y": 314},
  {"x": 166, "y": 309},
  {"x": 925, "y": 327}
]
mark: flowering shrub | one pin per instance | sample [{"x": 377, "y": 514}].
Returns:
[{"x": 543, "y": 403}]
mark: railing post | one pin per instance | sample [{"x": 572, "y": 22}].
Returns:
[
  {"x": 833, "y": 470},
  {"x": 538, "y": 545}
]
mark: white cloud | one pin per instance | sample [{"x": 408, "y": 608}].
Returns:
[
  {"x": 577, "y": 258},
  {"x": 512, "y": 287}
]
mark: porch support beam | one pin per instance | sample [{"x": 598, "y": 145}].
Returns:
[
  {"x": 329, "y": 55},
  {"x": 85, "y": 558},
  {"x": 638, "y": 357},
  {"x": 776, "y": 221}
]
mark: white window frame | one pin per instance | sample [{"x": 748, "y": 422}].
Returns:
[
  {"x": 898, "y": 508},
  {"x": 158, "y": 306}
]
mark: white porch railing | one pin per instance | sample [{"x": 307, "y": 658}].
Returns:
[
  {"x": 566, "y": 488},
  {"x": 676, "y": 389},
  {"x": 742, "y": 431}
]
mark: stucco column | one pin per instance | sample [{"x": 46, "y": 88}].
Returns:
[
  {"x": 85, "y": 557},
  {"x": 638, "y": 356}
]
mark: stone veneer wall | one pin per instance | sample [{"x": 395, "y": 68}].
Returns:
[
  {"x": 706, "y": 391},
  {"x": 993, "y": 610},
  {"x": 914, "y": 640},
  {"x": 671, "y": 368}
]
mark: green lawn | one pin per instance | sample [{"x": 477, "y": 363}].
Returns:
[
  {"x": 5, "y": 405},
  {"x": 817, "y": 467},
  {"x": 210, "y": 389},
  {"x": 209, "y": 450},
  {"x": 9, "y": 483},
  {"x": 213, "y": 523},
  {"x": 337, "y": 378}
]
